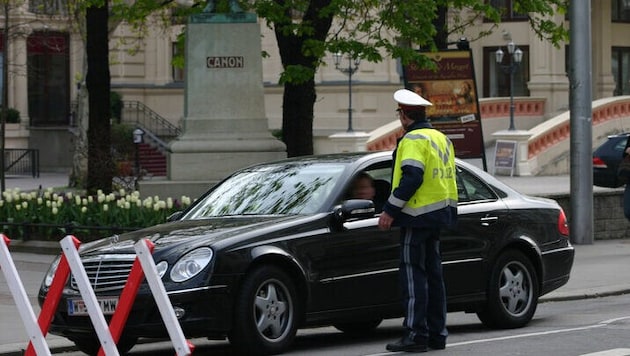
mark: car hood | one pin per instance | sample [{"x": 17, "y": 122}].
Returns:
[{"x": 192, "y": 233}]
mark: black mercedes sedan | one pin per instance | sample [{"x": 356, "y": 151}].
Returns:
[{"x": 281, "y": 246}]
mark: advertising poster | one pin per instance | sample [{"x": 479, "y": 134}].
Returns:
[
  {"x": 452, "y": 91},
  {"x": 505, "y": 155}
]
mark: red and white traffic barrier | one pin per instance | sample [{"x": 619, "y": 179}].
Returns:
[
  {"x": 108, "y": 336},
  {"x": 35, "y": 335}
]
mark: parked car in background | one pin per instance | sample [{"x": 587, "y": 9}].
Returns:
[
  {"x": 281, "y": 246},
  {"x": 606, "y": 159}
]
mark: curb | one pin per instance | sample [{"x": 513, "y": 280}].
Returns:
[{"x": 590, "y": 293}]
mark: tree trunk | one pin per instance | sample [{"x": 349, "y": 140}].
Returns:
[
  {"x": 100, "y": 164},
  {"x": 299, "y": 95},
  {"x": 297, "y": 118}
]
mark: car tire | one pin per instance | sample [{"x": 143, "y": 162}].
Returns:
[
  {"x": 358, "y": 328},
  {"x": 265, "y": 313},
  {"x": 90, "y": 344},
  {"x": 512, "y": 292}
]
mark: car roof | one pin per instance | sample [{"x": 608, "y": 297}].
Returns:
[{"x": 618, "y": 135}]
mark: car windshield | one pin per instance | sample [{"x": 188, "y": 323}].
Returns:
[{"x": 279, "y": 189}]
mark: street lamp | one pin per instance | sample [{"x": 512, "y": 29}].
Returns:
[
  {"x": 353, "y": 66},
  {"x": 516, "y": 57},
  {"x": 137, "y": 140}
]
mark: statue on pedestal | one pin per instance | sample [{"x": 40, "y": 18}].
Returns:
[{"x": 211, "y": 6}]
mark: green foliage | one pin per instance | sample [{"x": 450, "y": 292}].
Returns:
[
  {"x": 120, "y": 210},
  {"x": 115, "y": 104},
  {"x": 369, "y": 29},
  {"x": 122, "y": 142},
  {"x": 13, "y": 116},
  {"x": 277, "y": 134}
]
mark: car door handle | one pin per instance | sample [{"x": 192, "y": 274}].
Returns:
[{"x": 487, "y": 220}]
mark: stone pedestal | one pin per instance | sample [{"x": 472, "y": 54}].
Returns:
[
  {"x": 224, "y": 127},
  {"x": 521, "y": 137},
  {"x": 348, "y": 142}
]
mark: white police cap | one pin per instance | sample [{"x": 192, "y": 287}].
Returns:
[{"x": 407, "y": 99}]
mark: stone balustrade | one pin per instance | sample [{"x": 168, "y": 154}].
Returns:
[{"x": 542, "y": 148}]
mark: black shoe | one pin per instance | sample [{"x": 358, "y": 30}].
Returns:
[
  {"x": 407, "y": 344},
  {"x": 436, "y": 345}
]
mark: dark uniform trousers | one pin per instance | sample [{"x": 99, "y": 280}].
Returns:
[{"x": 424, "y": 296}]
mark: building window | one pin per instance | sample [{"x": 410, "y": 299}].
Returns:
[
  {"x": 48, "y": 7},
  {"x": 177, "y": 71},
  {"x": 48, "y": 70},
  {"x": 620, "y": 11},
  {"x": 496, "y": 82},
  {"x": 506, "y": 8},
  {"x": 621, "y": 70}
]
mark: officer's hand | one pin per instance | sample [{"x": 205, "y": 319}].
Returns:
[{"x": 385, "y": 221}]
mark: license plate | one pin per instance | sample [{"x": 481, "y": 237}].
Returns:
[{"x": 77, "y": 307}]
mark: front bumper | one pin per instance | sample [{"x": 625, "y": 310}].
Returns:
[{"x": 207, "y": 313}]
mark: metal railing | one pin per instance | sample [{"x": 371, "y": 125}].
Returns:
[
  {"x": 21, "y": 161},
  {"x": 140, "y": 114}
]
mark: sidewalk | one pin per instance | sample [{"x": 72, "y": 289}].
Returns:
[{"x": 45, "y": 180}]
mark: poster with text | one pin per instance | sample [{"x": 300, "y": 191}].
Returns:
[{"x": 453, "y": 92}]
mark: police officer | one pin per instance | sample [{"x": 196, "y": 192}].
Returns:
[{"x": 423, "y": 199}]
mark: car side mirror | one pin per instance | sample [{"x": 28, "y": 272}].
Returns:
[{"x": 354, "y": 209}]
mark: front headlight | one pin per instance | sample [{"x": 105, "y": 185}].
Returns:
[
  {"x": 191, "y": 264},
  {"x": 51, "y": 272}
]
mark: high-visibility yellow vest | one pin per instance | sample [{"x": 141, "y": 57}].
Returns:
[{"x": 432, "y": 151}]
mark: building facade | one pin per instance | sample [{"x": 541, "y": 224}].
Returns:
[{"x": 46, "y": 72}]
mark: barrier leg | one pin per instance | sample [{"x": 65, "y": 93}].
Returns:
[
  {"x": 125, "y": 302},
  {"x": 89, "y": 298},
  {"x": 143, "y": 250},
  {"x": 36, "y": 338},
  {"x": 54, "y": 295}
]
